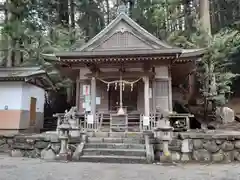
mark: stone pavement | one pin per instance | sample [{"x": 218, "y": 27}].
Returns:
[{"x": 35, "y": 169}]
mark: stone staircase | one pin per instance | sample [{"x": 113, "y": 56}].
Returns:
[
  {"x": 49, "y": 124},
  {"x": 115, "y": 148}
]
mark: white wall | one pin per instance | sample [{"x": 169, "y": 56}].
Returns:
[
  {"x": 17, "y": 95},
  {"x": 29, "y": 91},
  {"x": 10, "y": 95}
]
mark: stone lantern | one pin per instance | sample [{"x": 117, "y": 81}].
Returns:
[
  {"x": 164, "y": 131},
  {"x": 64, "y": 136}
]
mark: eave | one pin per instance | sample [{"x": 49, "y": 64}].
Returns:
[
  {"x": 31, "y": 75},
  {"x": 122, "y": 53}
]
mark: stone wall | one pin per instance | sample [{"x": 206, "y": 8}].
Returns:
[
  {"x": 211, "y": 146},
  {"x": 45, "y": 146}
]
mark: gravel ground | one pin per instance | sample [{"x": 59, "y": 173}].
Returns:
[{"x": 35, "y": 169}]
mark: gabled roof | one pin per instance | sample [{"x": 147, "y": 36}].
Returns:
[
  {"x": 132, "y": 27},
  {"x": 28, "y": 75},
  {"x": 124, "y": 39}
]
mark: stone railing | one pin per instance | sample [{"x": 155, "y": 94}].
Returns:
[{"x": 211, "y": 146}]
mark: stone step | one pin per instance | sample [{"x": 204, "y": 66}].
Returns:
[
  {"x": 116, "y": 152},
  {"x": 116, "y": 134},
  {"x": 115, "y": 140},
  {"x": 115, "y": 145},
  {"x": 114, "y": 159}
]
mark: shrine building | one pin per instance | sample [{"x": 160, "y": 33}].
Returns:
[{"x": 126, "y": 70}]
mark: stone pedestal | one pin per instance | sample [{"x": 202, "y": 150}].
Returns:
[
  {"x": 63, "y": 137},
  {"x": 75, "y": 129},
  {"x": 164, "y": 135}
]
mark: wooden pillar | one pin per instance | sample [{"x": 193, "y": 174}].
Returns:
[
  {"x": 154, "y": 95},
  {"x": 170, "y": 106},
  {"x": 191, "y": 82},
  {"x": 146, "y": 96},
  {"x": 78, "y": 94},
  {"x": 93, "y": 97}
]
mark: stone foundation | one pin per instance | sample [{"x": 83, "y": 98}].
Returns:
[
  {"x": 211, "y": 146},
  {"x": 45, "y": 146},
  {"x": 201, "y": 147}
]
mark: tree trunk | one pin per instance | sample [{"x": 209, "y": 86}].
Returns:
[
  {"x": 9, "y": 51},
  {"x": 188, "y": 16},
  {"x": 205, "y": 15},
  {"x": 108, "y": 11},
  {"x": 72, "y": 21},
  {"x": 17, "y": 58}
]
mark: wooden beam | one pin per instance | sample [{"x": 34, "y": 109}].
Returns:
[
  {"x": 93, "y": 67},
  {"x": 132, "y": 74}
]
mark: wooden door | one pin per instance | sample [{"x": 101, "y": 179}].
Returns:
[{"x": 33, "y": 113}]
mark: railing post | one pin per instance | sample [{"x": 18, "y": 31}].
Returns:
[{"x": 58, "y": 123}]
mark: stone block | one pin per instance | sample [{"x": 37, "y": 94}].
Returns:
[
  {"x": 237, "y": 144},
  {"x": 197, "y": 143},
  {"x": 9, "y": 135},
  {"x": 36, "y": 153},
  {"x": 48, "y": 154},
  {"x": 227, "y": 146},
  {"x": 219, "y": 142},
  {"x": 175, "y": 156},
  {"x": 132, "y": 140},
  {"x": 91, "y": 134},
  {"x": 4, "y": 148},
  {"x": 101, "y": 134},
  {"x": 186, "y": 146},
  {"x": 175, "y": 145},
  {"x": 16, "y": 153},
  {"x": 95, "y": 140},
  {"x": 78, "y": 152},
  {"x": 55, "y": 147},
  {"x": 10, "y": 141},
  {"x": 63, "y": 157},
  {"x": 75, "y": 133},
  {"x": 20, "y": 139},
  {"x": 117, "y": 135},
  {"x": 218, "y": 156},
  {"x": 164, "y": 158},
  {"x": 201, "y": 155},
  {"x": 185, "y": 157},
  {"x": 24, "y": 146},
  {"x": 74, "y": 140},
  {"x": 52, "y": 138},
  {"x": 236, "y": 155},
  {"x": 211, "y": 146},
  {"x": 228, "y": 156},
  {"x": 138, "y": 135},
  {"x": 41, "y": 144},
  {"x": 2, "y": 141},
  {"x": 30, "y": 141}
]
